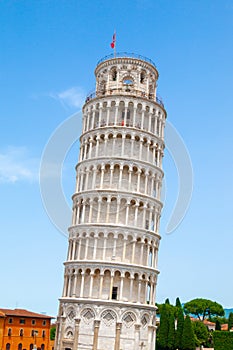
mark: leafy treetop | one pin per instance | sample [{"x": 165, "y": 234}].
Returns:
[{"x": 203, "y": 308}]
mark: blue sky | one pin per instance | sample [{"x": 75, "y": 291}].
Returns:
[{"x": 49, "y": 50}]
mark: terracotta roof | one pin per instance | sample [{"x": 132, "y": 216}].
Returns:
[
  {"x": 23, "y": 313},
  {"x": 209, "y": 323},
  {"x": 224, "y": 327}
]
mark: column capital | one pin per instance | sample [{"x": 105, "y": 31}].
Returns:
[{"x": 96, "y": 323}]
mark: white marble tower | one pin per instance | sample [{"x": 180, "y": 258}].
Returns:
[{"x": 108, "y": 300}]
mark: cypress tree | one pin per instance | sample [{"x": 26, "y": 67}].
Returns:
[
  {"x": 188, "y": 337},
  {"x": 171, "y": 332},
  {"x": 230, "y": 321},
  {"x": 163, "y": 328},
  {"x": 167, "y": 301},
  {"x": 178, "y": 303},
  {"x": 217, "y": 325},
  {"x": 179, "y": 328}
]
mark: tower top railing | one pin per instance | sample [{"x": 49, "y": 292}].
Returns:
[{"x": 126, "y": 55}]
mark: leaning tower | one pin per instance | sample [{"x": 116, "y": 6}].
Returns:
[{"x": 108, "y": 300}]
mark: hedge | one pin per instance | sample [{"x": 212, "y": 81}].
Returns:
[{"x": 223, "y": 340}]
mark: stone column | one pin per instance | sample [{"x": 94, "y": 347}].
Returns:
[
  {"x": 74, "y": 215},
  {"x": 79, "y": 248},
  {"x": 134, "y": 115},
  {"x": 131, "y": 288},
  {"x": 76, "y": 333},
  {"x": 137, "y": 336},
  {"x": 105, "y": 143},
  {"x": 94, "y": 176},
  {"x": 108, "y": 114},
  {"x": 91, "y": 285},
  {"x": 73, "y": 250},
  {"x": 78, "y": 214},
  {"x": 130, "y": 177},
  {"x": 116, "y": 114},
  {"x": 140, "y": 148},
  {"x": 143, "y": 115},
  {"x": 102, "y": 175},
  {"x": 139, "y": 289},
  {"x": 118, "y": 334},
  {"x": 91, "y": 147},
  {"x": 118, "y": 209},
  {"x": 136, "y": 214},
  {"x": 82, "y": 284},
  {"x": 95, "y": 247},
  {"x": 62, "y": 327},
  {"x": 132, "y": 145},
  {"x": 133, "y": 251},
  {"x": 123, "y": 145},
  {"x": 148, "y": 151},
  {"x": 121, "y": 287},
  {"x": 124, "y": 249},
  {"x": 141, "y": 253},
  {"x": 138, "y": 182},
  {"x": 93, "y": 118},
  {"x": 111, "y": 173},
  {"x": 74, "y": 285},
  {"x": 64, "y": 294},
  {"x": 90, "y": 212},
  {"x": 97, "y": 146},
  {"x": 111, "y": 285},
  {"x": 101, "y": 286},
  {"x": 127, "y": 212},
  {"x": 96, "y": 334}
]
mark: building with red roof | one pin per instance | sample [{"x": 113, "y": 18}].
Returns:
[{"x": 21, "y": 329}]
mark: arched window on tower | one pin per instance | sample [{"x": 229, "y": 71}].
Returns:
[
  {"x": 114, "y": 293},
  {"x": 20, "y": 346},
  {"x": 8, "y": 346},
  {"x": 114, "y": 74},
  {"x": 142, "y": 77}
]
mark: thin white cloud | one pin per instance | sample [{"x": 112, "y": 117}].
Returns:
[
  {"x": 73, "y": 97},
  {"x": 16, "y": 165}
]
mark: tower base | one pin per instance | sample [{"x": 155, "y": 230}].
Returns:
[{"x": 86, "y": 326}]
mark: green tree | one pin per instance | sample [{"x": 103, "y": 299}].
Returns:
[
  {"x": 171, "y": 332},
  {"x": 188, "y": 337},
  {"x": 217, "y": 325},
  {"x": 201, "y": 333},
  {"x": 162, "y": 336},
  {"x": 52, "y": 333},
  {"x": 179, "y": 328},
  {"x": 178, "y": 303},
  {"x": 167, "y": 301},
  {"x": 230, "y": 321},
  {"x": 203, "y": 308}
]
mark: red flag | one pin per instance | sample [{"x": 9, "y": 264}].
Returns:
[{"x": 113, "y": 41}]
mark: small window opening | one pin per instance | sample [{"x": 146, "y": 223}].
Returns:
[
  {"x": 114, "y": 74},
  {"x": 128, "y": 81},
  {"x": 114, "y": 293},
  {"x": 142, "y": 78}
]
